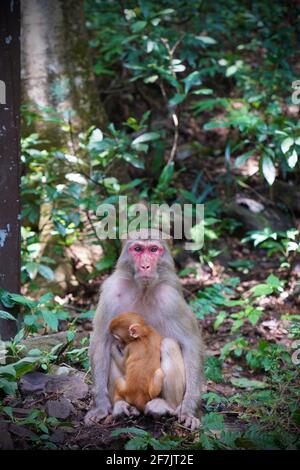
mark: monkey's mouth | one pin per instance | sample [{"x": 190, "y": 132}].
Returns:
[{"x": 145, "y": 278}]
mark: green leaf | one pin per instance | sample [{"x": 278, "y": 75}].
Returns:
[
  {"x": 138, "y": 26},
  {"x": 20, "y": 299},
  {"x": 203, "y": 91},
  {"x": 134, "y": 160},
  {"x": 50, "y": 319},
  {"x": 8, "y": 371},
  {"x": 215, "y": 124},
  {"x": 129, "y": 430},
  {"x": 274, "y": 281},
  {"x": 167, "y": 174},
  {"x": 254, "y": 316},
  {"x": 292, "y": 159},
  {"x": 9, "y": 411},
  {"x": 8, "y": 387},
  {"x": 191, "y": 80},
  {"x": 286, "y": 144},
  {"x": 261, "y": 290},
  {"x": 96, "y": 136},
  {"x": 268, "y": 169},
  {"x": 19, "y": 336},
  {"x": 25, "y": 365},
  {"x": 46, "y": 272},
  {"x": 177, "y": 99},
  {"x": 213, "y": 421},
  {"x": 243, "y": 382},
  {"x": 151, "y": 79},
  {"x": 241, "y": 159},
  {"x": 137, "y": 443},
  {"x": 213, "y": 369},
  {"x": 148, "y": 136},
  {"x": 206, "y": 40},
  {"x": 189, "y": 196},
  {"x": 219, "y": 320},
  {"x": 231, "y": 70},
  {"x": 237, "y": 324},
  {"x": 45, "y": 298},
  {"x": 6, "y": 316}
]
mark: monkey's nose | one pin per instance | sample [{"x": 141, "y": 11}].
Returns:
[{"x": 145, "y": 267}]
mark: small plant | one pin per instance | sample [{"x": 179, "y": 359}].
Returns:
[
  {"x": 38, "y": 314},
  {"x": 39, "y": 423},
  {"x": 142, "y": 440},
  {"x": 283, "y": 243}
]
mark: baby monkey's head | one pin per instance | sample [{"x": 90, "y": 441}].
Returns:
[{"x": 127, "y": 327}]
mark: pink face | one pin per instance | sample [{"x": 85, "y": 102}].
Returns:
[{"x": 146, "y": 255}]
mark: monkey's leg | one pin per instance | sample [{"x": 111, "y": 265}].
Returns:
[
  {"x": 173, "y": 387},
  {"x": 156, "y": 383},
  {"x": 116, "y": 386}
]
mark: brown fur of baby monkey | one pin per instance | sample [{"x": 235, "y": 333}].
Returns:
[{"x": 143, "y": 374}]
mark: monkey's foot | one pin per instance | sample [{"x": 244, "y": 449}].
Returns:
[
  {"x": 158, "y": 407},
  {"x": 187, "y": 419},
  {"x": 94, "y": 416},
  {"x": 122, "y": 408}
]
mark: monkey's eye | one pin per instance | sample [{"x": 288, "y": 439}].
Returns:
[
  {"x": 138, "y": 248},
  {"x": 153, "y": 249}
]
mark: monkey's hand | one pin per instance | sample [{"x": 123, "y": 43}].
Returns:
[
  {"x": 158, "y": 407},
  {"x": 187, "y": 419},
  {"x": 96, "y": 414},
  {"x": 121, "y": 408}
]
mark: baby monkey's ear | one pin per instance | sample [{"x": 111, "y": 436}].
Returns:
[{"x": 134, "y": 330}]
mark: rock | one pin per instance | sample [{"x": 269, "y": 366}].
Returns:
[
  {"x": 253, "y": 206},
  {"x": 255, "y": 216},
  {"x": 60, "y": 408},
  {"x": 57, "y": 437},
  {"x": 33, "y": 382},
  {"x": 63, "y": 370},
  {"x": 6, "y": 442},
  {"x": 72, "y": 387},
  {"x": 44, "y": 342},
  {"x": 22, "y": 431}
]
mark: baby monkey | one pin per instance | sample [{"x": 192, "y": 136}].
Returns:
[{"x": 143, "y": 379}]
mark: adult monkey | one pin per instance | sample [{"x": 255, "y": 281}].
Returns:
[{"x": 145, "y": 282}]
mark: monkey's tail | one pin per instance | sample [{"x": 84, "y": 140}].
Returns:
[{"x": 156, "y": 383}]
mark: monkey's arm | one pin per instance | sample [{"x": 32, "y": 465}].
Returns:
[
  {"x": 99, "y": 353},
  {"x": 192, "y": 351}
]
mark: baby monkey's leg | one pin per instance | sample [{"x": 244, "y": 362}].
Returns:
[{"x": 156, "y": 383}]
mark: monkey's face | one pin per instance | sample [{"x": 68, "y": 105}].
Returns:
[
  {"x": 126, "y": 327},
  {"x": 146, "y": 256}
]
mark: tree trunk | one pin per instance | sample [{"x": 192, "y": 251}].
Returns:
[
  {"x": 9, "y": 155},
  {"x": 56, "y": 66}
]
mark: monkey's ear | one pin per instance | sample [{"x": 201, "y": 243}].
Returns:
[{"x": 134, "y": 330}]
